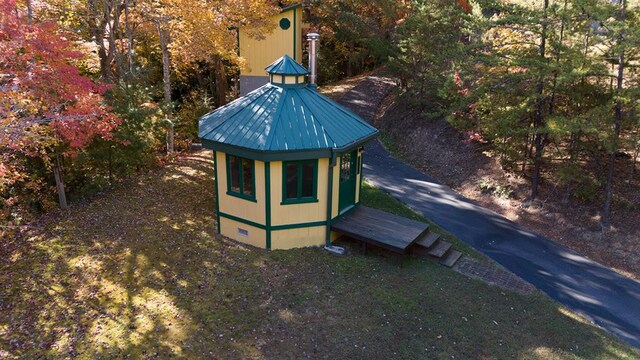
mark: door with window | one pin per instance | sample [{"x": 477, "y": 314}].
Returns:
[{"x": 348, "y": 184}]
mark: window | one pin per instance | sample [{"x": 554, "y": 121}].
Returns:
[
  {"x": 345, "y": 167},
  {"x": 299, "y": 181},
  {"x": 240, "y": 177}
]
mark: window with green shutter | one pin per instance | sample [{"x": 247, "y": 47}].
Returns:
[
  {"x": 299, "y": 181},
  {"x": 241, "y": 177}
]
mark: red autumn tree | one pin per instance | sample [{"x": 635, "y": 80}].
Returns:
[{"x": 47, "y": 108}]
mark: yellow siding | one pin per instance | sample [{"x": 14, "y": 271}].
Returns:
[
  {"x": 242, "y": 208},
  {"x": 295, "y": 238},
  {"x": 260, "y": 53},
  {"x": 255, "y": 237},
  {"x": 298, "y": 213},
  {"x": 299, "y": 38}
]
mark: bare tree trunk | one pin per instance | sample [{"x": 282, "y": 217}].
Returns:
[
  {"x": 636, "y": 153},
  {"x": 636, "y": 145},
  {"x": 29, "y": 12},
  {"x": 110, "y": 164},
  {"x": 170, "y": 136},
  {"x": 221, "y": 82},
  {"x": 527, "y": 149},
  {"x": 606, "y": 213},
  {"x": 96, "y": 22},
  {"x": 165, "y": 39},
  {"x": 539, "y": 138},
  {"x": 103, "y": 22},
  {"x": 129, "y": 31},
  {"x": 634, "y": 167},
  {"x": 349, "y": 61},
  {"x": 552, "y": 101},
  {"x": 57, "y": 174},
  {"x": 114, "y": 25}
]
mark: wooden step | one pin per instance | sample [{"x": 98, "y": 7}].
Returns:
[
  {"x": 440, "y": 249},
  {"x": 451, "y": 258},
  {"x": 428, "y": 240}
]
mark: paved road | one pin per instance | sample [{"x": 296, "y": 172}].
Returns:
[{"x": 610, "y": 300}]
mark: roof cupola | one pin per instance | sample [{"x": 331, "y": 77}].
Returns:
[{"x": 286, "y": 71}]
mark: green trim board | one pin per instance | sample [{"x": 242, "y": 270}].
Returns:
[
  {"x": 301, "y": 201},
  {"x": 361, "y": 180},
  {"x": 215, "y": 184},
  {"x": 290, "y": 7},
  {"x": 266, "y": 155},
  {"x": 295, "y": 13},
  {"x": 273, "y": 227},
  {"x": 332, "y": 164},
  {"x": 267, "y": 186},
  {"x": 300, "y": 198},
  {"x": 298, "y": 226},
  {"x": 241, "y": 220},
  {"x": 241, "y": 178},
  {"x": 240, "y": 196}
]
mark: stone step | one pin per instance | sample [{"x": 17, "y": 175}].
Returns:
[
  {"x": 451, "y": 258},
  {"x": 440, "y": 249},
  {"x": 428, "y": 240}
]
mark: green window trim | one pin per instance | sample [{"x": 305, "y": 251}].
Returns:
[
  {"x": 299, "y": 199},
  {"x": 215, "y": 184},
  {"x": 295, "y": 12},
  {"x": 251, "y": 196}
]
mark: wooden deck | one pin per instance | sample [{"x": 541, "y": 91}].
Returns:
[
  {"x": 379, "y": 228},
  {"x": 396, "y": 233}
]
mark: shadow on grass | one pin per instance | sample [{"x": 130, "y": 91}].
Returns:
[{"x": 139, "y": 272}]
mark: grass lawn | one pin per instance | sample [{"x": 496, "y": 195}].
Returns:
[{"x": 139, "y": 272}]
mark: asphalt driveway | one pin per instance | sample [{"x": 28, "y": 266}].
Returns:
[{"x": 609, "y": 299}]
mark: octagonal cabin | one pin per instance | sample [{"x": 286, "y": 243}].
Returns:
[{"x": 288, "y": 161}]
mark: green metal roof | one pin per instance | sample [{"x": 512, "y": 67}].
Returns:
[
  {"x": 283, "y": 122},
  {"x": 286, "y": 66},
  {"x": 290, "y": 7}
]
